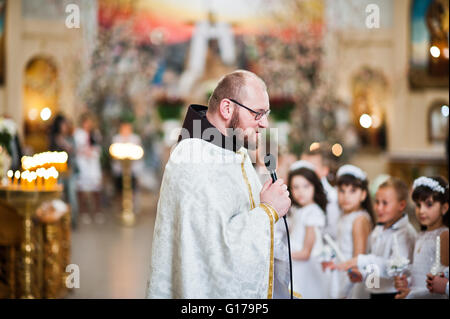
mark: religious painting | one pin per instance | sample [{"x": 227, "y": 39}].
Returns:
[
  {"x": 2, "y": 40},
  {"x": 429, "y": 44}
]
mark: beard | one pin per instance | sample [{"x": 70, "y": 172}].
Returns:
[{"x": 241, "y": 137}]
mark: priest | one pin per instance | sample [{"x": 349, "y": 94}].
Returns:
[{"x": 214, "y": 228}]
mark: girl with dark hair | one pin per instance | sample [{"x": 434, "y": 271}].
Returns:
[
  {"x": 431, "y": 196},
  {"x": 306, "y": 222},
  {"x": 353, "y": 227}
]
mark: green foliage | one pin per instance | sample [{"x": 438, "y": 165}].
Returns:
[{"x": 169, "y": 109}]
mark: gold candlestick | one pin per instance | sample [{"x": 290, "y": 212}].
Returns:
[
  {"x": 126, "y": 153},
  {"x": 128, "y": 218},
  {"x": 26, "y": 202}
]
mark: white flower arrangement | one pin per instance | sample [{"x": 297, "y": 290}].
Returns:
[
  {"x": 430, "y": 183},
  {"x": 7, "y": 130},
  {"x": 7, "y": 126},
  {"x": 327, "y": 254},
  {"x": 397, "y": 264}
]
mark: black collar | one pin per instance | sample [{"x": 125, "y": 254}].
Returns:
[{"x": 198, "y": 113}]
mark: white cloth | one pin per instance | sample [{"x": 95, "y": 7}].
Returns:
[
  {"x": 89, "y": 177},
  {"x": 424, "y": 255},
  {"x": 307, "y": 275},
  {"x": 333, "y": 211},
  {"x": 136, "y": 166},
  {"x": 380, "y": 249},
  {"x": 212, "y": 238},
  {"x": 340, "y": 285}
]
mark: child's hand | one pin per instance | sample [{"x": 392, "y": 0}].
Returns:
[
  {"x": 327, "y": 264},
  {"x": 436, "y": 284},
  {"x": 351, "y": 263},
  {"x": 354, "y": 275},
  {"x": 400, "y": 282},
  {"x": 402, "y": 293}
]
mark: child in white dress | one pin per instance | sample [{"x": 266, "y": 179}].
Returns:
[
  {"x": 89, "y": 177},
  {"x": 353, "y": 228},
  {"x": 430, "y": 195},
  {"x": 392, "y": 235},
  {"x": 306, "y": 221}
]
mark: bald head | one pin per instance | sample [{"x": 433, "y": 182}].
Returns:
[{"x": 235, "y": 85}]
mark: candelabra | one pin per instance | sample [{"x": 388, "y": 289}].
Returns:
[
  {"x": 126, "y": 153},
  {"x": 26, "y": 201}
]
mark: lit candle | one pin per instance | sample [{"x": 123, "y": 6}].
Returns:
[
  {"x": 16, "y": 178},
  {"x": 436, "y": 268},
  {"x": 24, "y": 180},
  {"x": 10, "y": 175},
  {"x": 33, "y": 177},
  {"x": 53, "y": 176},
  {"x": 40, "y": 177},
  {"x": 46, "y": 177},
  {"x": 335, "y": 247}
]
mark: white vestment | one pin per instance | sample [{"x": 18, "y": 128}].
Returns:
[{"x": 212, "y": 237}]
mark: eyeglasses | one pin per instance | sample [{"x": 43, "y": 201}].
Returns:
[{"x": 258, "y": 116}]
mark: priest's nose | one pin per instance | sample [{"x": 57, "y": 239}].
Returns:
[{"x": 264, "y": 122}]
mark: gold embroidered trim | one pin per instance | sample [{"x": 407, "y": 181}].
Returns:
[
  {"x": 296, "y": 294},
  {"x": 252, "y": 202},
  {"x": 273, "y": 211},
  {"x": 269, "y": 214}
]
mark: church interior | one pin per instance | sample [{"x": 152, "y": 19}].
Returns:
[{"x": 365, "y": 80}]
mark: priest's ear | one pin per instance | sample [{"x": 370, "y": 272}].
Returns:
[{"x": 226, "y": 109}]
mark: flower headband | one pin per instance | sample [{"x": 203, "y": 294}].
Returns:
[
  {"x": 352, "y": 170},
  {"x": 301, "y": 164},
  {"x": 430, "y": 183}
]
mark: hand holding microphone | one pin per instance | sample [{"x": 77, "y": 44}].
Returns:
[
  {"x": 274, "y": 191},
  {"x": 277, "y": 196}
]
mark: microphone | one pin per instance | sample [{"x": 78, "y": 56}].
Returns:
[{"x": 271, "y": 163}]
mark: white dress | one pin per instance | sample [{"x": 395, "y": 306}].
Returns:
[
  {"x": 340, "y": 285},
  {"x": 424, "y": 256},
  {"x": 307, "y": 275},
  {"x": 89, "y": 177}
]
